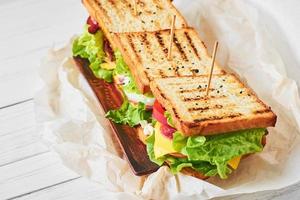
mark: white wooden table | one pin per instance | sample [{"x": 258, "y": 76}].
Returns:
[{"x": 28, "y": 170}]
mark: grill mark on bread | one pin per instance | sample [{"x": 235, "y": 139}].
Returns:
[
  {"x": 199, "y": 76},
  {"x": 179, "y": 47},
  {"x": 214, "y": 118},
  {"x": 192, "y": 44},
  {"x": 147, "y": 75},
  {"x": 261, "y": 111},
  {"x": 145, "y": 40},
  {"x": 129, "y": 38},
  {"x": 191, "y": 99},
  {"x": 187, "y": 76},
  {"x": 175, "y": 113},
  {"x": 161, "y": 42},
  {"x": 203, "y": 44},
  {"x": 104, "y": 12},
  {"x": 215, "y": 107},
  {"x": 196, "y": 90},
  {"x": 161, "y": 94}
]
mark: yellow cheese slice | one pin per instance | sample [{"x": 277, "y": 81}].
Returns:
[
  {"x": 162, "y": 145},
  {"x": 108, "y": 66},
  {"x": 234, "y": 162}
]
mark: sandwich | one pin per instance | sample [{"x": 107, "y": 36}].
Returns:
[{"x": 165, "y": 99}]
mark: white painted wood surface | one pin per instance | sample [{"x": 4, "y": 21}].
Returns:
[{"x": 28, "y": 170}]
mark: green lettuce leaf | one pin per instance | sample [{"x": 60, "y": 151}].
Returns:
[
  {"x": 169, "y": 118},
  {"x": 179, "y": 141},
  {"x": 177, "y": 164},
  {"x": 123, "y": 69},
  {"x": 209, "y": 155},
  {"x": 217, "y": 150},
  {"x": 90, "y": 47},
  {"x": 129, "y": 114},
  {"x": 121, "y": 66},
  {"x": 105, "y": 74}
]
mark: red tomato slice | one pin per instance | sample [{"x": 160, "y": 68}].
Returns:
[
  {"x": 158, "y": 113},
  {"x": 157, "y": 106},
  {"x": 93, "y": 25},
  {"x": 167, "y": 131},
  {"x": 159, "y": 117}
]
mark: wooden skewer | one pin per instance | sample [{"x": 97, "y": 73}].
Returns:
[
  {"x": 212, "y": 67},
  {"x": 135, "y": 7},
  {"x": 171, "y": 37},
  {"x": 143, "y": 179},
  {"x": 178, "y": 187}
]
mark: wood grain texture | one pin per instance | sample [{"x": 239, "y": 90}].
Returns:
[
  {"x": 32, "y": 174},
  {"x": 18, "y": 137},
  {"x": 25, "y": 38},
  {"x": 76, "y": 189},
  {"x": 110, "y": 98},
  {"x": 24, "y": 161}
]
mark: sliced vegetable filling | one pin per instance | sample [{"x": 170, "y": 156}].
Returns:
[{"x": 92, "y": 46}]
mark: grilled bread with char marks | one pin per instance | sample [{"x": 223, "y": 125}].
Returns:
[
  {"x": 230, "y": 106},
  {"x": 146, "y": 55},
  {"x": 117, "y": 16}
]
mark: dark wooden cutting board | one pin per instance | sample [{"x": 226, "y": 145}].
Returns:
[{"x": 110, "y": 98}]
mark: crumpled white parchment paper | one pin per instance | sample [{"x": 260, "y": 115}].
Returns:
[{"x": 72, "y": 123}]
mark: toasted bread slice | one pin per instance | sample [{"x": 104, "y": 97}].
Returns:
[
  {"x": 118, "y": 16},
  {"x": 230, "y": 106},
  {"x": 146, "y": 55}
]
